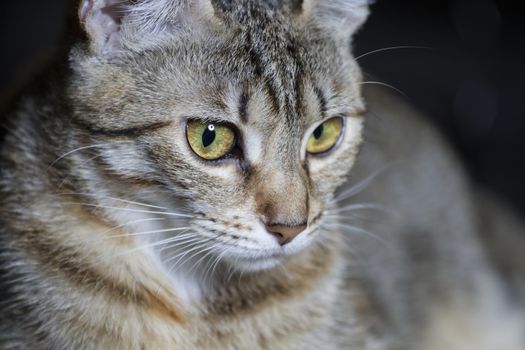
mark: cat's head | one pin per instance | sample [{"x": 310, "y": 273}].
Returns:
[{"x": 245, "y": 115}]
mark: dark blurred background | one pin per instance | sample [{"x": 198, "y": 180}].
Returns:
[{"x": 470, "y": 82}]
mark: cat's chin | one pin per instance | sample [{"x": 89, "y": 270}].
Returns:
[
  {"x": 246, "y": 261},
  {"x": 249, "y": 261},
  {"x": 255, "y": 265}
]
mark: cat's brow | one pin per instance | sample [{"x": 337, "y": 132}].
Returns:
[
  {"x": 322, "y": 101},
  {"x": 243, "y": 107},
  {"x": 132, "y": 131}
]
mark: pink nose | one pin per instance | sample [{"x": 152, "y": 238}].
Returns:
[{"x": 285, "y": 233}]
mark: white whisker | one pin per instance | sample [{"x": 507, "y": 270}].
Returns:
[
  {"x": 69, "y": 175},
  {"x": 353, "y": 216},
  {"x": 359, "y": 230},
  {"x": 202, "y": 244},
  {"x": 111, "y": 198},
  {"x": 392, "y": 48},
  {"x": 214, "y": 265},
  {"x": 210, "y": 251},
  {"x": 180, "y": 256},
  {"x": 180, "y": 234},
  {"x": 186, "y": 241},
  {"x": 131, "y": 223},
  {"x": 360, "y": 186},
  {"x": 129, "y": 209},
  {"x": 353, "y": 207},
  {"x": 231, "y": 270},
  {"x": 146, "y": 246},
  {"x": 79, "y": 149},
  {"x": 149, "y": 232},
  {"x": 383, "y": 84}
]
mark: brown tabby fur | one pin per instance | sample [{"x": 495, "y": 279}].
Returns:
[{"x": 99, "y": 191}]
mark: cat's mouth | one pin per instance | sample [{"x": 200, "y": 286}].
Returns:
[
  {"x": 252, "y": 249},
  {"x": 263, "y": 257}
]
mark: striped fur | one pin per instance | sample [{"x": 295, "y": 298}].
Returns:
[{"x": 115, "y": 235}]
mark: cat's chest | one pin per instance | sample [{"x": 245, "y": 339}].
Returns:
[
  {"x": 291, "y": 310},
  {"x": 302, "y": 320},
  {"x": 303, "y": 323}
]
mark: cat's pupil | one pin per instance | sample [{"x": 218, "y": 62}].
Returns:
[
  {"x": 318, "y": 132},
  {"x": 208, "y": 136}
]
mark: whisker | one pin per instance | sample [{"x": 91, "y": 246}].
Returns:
[
  {"x": 180, "y": 256},
  {"x": 352, "y": 216},
  {"x": 210, "y": 251},
  {"x": 186, "y": 241},
  {"x": 228, "y": 246},
  {"x": 216, "y": 263},
  {"x": 180, "y": 234},
  {"x": 69, "y": 175},
  {"x": 383, "y": 84},
  {"x": 79, "y": 149},
  {"x": 111, "y": 198},
  {"x": 359, "y": 230},
  {"x": 203, "y": 244},
  {"x": 156, "y": 190},
  {"x": 131, "y": 223},
  {"x": 241, "y": 272},
  {"x": 393, "y": 48},
  {"x": 149, "y": 232},
  {"x": 129, "y": 209},
  {"x": 360, "y": 186},
  {"x": 171, "y": 257},
  {"x": 231, "y": 271},
  {"x": 354, "y": 207},
  {"x": 151, "y": 245}
]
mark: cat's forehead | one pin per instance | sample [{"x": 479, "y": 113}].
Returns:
[
  {"x": 261, "y": 75},
  {"x": 256, "y": 11},
  {"x": 254, "y": 66}
]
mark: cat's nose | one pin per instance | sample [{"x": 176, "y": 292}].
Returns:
[{"x": 285, "y": 233}]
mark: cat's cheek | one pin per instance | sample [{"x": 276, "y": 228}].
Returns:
[{"x": 224, "y": 172}]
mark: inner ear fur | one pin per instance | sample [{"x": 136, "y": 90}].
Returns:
[
  {"x": 102, "y": 20},
  {"x": 115, "y": 25}
]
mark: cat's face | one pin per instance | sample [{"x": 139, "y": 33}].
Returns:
[{"x": 249, "y": 126}]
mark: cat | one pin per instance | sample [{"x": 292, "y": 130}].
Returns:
[{"x": 181, "y": 183}]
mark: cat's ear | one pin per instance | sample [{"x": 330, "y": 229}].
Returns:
[
  {"x": 101, "y": 20},
  {"x": 341, "y": 18},
  {"x": 114, "y": 25}
]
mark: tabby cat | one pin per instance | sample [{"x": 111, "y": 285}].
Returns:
[{"x": 180, "y": 186}]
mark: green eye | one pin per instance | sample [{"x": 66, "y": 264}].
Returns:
[
  {"x": 325, "y": 136},
  {"x": 210, "y": 141}
]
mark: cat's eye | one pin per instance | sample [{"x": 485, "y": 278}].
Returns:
[
  {"x": 325, "y": 136},
  {"x": 210, "y": 141}
]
